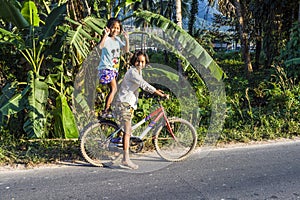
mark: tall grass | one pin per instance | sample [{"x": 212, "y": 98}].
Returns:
[{"x": 262, "y": 106}]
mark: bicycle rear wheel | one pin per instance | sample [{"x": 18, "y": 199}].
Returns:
[
  {"x": 178, "y": 147},
  {"x": 95, "y": 143}
]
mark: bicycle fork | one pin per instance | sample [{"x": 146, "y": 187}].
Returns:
[{"x": 169, "y": 128}]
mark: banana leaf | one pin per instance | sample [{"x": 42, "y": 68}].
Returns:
[
  {"x": 55, "y": 18},
  {"x": 191, "y": 49},
  {"x": 293, "y": 61},
  {"x": 123, "y": 4},
  {"x": 79, "y": 39},
  {"x": 10, "y": 12},
  {"x": 11, "y": 101},
  {"x": 7, "y": 37},
  {"x": 65, "y": 125},
  {"x": 95, "y": 24},
  {"x": 30, "y": 13},
  {"x": 36, "y": 120},
  {"x": 79, "y": 45},
  {"x": 165, "y": 44}
]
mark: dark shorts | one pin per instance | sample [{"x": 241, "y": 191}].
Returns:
[{"x": 107, "y": 75}]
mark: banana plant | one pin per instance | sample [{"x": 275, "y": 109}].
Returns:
[
  {"x": 10, "y": 12},
  {"x": 79, "y": 39},
  {"x": 193, "y": 51},
  {"x": 34, "y": 45}
]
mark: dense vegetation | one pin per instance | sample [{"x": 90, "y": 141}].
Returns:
[{"x": 42, "y": 54}]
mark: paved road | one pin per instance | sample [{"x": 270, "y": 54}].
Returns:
[{"x": 254, "y": 172}]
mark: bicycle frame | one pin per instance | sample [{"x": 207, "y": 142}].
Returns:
[
  {"x": 157, "y": 115},
  {"x": 98, "y": 146}
]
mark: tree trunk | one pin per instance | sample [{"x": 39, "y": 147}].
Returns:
[
  {"x": 179, "y": 23},
  {"x": 244, "y": 37},
  {"x": 258, "y": 46},
  {"x": 194, "y": 12},
  {"x": 258, "y": 42},
  {"x": 178, "y": 13}
]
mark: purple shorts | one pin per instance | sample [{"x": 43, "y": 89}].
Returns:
[{"x": 107, "y": 75}]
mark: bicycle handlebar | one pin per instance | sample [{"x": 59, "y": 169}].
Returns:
[
  {"x": 166, "y": 96},
  {"x": 156, "y": 96}
]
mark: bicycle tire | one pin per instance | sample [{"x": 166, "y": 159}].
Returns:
[
  {"x": 170, "y": 149},
  {"x": 94, "y": 143}
]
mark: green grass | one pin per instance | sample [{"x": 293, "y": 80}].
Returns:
[{"x": 34, "y": 152}]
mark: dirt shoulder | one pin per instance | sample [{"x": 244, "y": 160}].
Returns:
[
  {"x": 14, "y": 167},
  {"x": 263, "y": 142}
]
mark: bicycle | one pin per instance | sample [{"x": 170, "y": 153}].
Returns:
[{"x": 174, "y": 138}]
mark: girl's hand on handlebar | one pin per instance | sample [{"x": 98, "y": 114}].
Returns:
[
  {"x": 163, "y": 95},
  {"x": 166, "y": 96}
]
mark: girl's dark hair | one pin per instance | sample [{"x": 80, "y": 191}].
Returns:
[
  {"x": 112, "y": 21},
  {"x": 136, "y": 55}
]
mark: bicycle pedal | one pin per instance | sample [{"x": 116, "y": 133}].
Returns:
[
  {"x": 117, "y": 140},
  {"x": 136, "y": 139}
]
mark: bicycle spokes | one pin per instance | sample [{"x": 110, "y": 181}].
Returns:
[
  {"x": 95, "y": 143},
  {"x": 175, "y": 145}
]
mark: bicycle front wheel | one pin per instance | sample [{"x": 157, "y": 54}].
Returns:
[
  {"x": 179, "y": 144},
  {"x": 95, "y": 143}
]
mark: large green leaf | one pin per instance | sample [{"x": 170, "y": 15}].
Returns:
[
  {"x": 293, "y": 61},
  {"x": 36, "y": 121},
  {"x": 11, "y": 101},
  {"x": 55, "y": 18},
  {"x": 9, "y": 12},
  {"x": 165, "y": 44},
  {"x": 79, "y": 45},
  {"x": 65, "y": 125},
  {"x": 193, "y": 51},
  {"x": 79, "y": 39},
  {"x": 30, "y": 13}
]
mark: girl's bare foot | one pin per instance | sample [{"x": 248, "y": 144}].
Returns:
[{"x": 129, "y": 164}]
